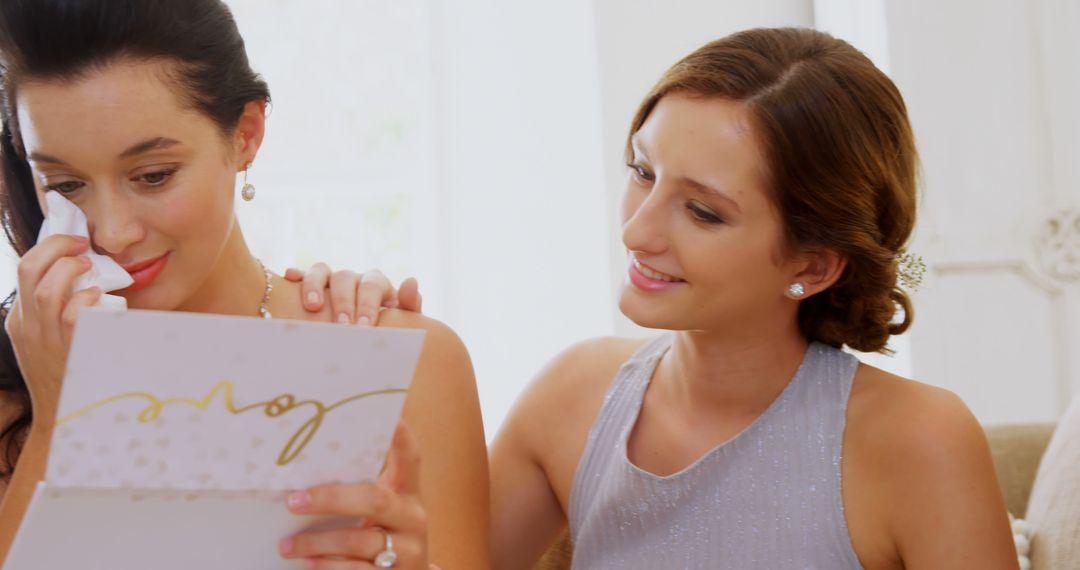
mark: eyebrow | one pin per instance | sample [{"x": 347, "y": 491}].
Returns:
[
  {"x": 148, "y": 145},
  {"x": 156, "y": 143},
  {"x": 693, "y": 184},
  {"x": 703, "y": 189}
]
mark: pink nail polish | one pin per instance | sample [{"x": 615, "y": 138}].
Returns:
[
  {"x": 298, "y": 500},
  {"x": 309, "y": 565},
  {"x": 286, "y": 546}
]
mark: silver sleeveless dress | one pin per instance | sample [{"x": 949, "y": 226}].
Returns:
[{"x": 769, "y": 498}]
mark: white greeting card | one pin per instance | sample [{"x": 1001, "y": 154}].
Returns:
[{"x": 178, "y": 435}]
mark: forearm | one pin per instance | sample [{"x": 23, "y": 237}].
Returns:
[{"x": 28, "y": 472}]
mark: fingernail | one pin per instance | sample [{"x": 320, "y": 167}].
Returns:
[
  {"x": 309, "y": 565},
  {"x": 391, "y": 304},
  {"x": 343, "y": 318},
  {"x": 363, "y": 321},
  {"x": 312, "y": 298},
  {"x": 298, "y": 500},
  {"x": 285, "y": 546}
]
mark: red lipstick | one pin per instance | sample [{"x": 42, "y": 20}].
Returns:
[{"x": 144, "y": 272}]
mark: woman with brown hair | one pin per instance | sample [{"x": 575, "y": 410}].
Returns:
[{"x": 771, "y": 190}]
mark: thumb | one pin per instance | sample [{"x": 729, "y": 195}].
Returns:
[{"x": 403, "y": 462}]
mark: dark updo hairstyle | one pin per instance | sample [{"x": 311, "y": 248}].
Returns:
[
  {"x": 841, "y": 164},
  {"x": 64, "y": 40}
]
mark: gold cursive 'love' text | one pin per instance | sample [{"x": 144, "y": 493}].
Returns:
[{"x": 272, "y": 408}]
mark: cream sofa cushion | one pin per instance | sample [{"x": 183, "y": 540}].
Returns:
[{"x": 1054, "y": 507}]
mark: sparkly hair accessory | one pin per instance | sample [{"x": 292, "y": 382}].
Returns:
[{"x": 911, "y": 269}]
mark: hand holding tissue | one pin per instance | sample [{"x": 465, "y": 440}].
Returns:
[{"x": 66, "y": 218}]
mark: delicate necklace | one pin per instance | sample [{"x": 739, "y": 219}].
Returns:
[{"x": 264, "y": 305}]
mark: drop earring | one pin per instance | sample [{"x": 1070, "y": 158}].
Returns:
[
  {"x": 247, "y": 192},
  {"x": 796, "y": 290}
]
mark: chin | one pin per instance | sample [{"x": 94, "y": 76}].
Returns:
[
  {"x": 152, "y": 298},
  {"x": 652, "y": 313}
]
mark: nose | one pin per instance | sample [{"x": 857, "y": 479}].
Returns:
[
  {"x": 114, "y": 222},
  {"x": 645, "y": 222}
]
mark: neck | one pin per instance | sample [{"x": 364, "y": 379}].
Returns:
[
  {"x": 735, "y": 372},
  {"x": 235, "y": 283}
]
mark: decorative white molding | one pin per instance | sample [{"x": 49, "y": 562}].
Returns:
[{"x": 1057, "y": 245}]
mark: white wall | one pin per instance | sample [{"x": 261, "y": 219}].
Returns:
[
  {"x": 478, "y": 144},
  {"x": 992, "y": 96},
  {"x": 523, "y": 236}
]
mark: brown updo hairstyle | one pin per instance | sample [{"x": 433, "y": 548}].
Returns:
[{"x": 841, "y": 164}]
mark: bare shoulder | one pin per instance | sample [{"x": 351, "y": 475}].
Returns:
[
  {"x": 399, "y": 319},
  {"x": 903, "y": 414},
  {"x": 444, "y": 369},
  {"x": 550, "y": 421},
  {"x": 919, "y": 479},
  {"x": 580, "y": 373}
]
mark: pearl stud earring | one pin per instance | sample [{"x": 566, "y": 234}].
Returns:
[{"x": 796, "y": 290}]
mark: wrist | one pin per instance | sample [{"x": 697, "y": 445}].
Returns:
[
  {"x": 44, "y": 404},
  {"x": 43, "y": 422}
]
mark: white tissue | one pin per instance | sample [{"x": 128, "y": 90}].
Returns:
[{"x": 66, "y": 218}]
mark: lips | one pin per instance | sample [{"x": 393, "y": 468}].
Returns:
[
  {"x": 143, "y": 273},
  {"x": 650, "y": 280},
  {"x": 139, "y": 266},
  {"x": 652, "y": 273}
]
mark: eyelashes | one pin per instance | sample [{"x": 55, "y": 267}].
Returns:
[
  {"x": 703, "y": 215},
  {"x": 641, "y": 174},
  {"x": 158, "y": 178},
  {"x": 155, "y": 179},
  {"x": 64, "y": 188},
  {"x": 697, "y": 211}
]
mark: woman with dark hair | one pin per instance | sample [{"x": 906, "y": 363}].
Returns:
[{"x": 142, "y": 113}]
